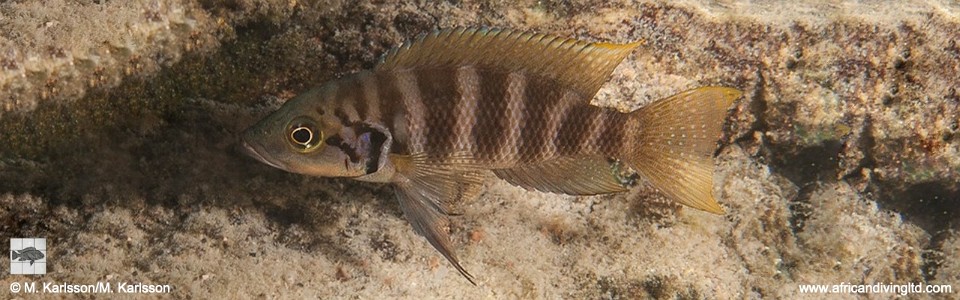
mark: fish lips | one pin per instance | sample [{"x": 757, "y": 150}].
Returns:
[{"x": 251, "y": 151}]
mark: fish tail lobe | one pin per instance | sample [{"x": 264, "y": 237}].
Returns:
[
  {"x": 676, "y": 142},
  {"x": 16, "y": 255}
]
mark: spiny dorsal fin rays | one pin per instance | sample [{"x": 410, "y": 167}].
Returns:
[{"x": 583, "y": 66}]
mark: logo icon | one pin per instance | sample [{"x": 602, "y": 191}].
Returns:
[{"x": 28, "y": 256}]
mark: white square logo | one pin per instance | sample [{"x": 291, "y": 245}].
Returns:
[{"x": 28, "y": 256}]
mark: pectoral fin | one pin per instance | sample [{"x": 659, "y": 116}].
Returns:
[
  {"x": 448, "y": 180},
  {"x": 419, "y": 205},
  {"x": 428, "y": 191},
  {"x": 576, "y": 175}
]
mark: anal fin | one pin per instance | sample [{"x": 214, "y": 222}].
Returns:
[{"x": 574, "y": 175}]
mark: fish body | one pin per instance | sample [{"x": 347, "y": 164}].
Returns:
[
  {"x": 29, "y": 253},
  {"x": 439, "y": 114}
]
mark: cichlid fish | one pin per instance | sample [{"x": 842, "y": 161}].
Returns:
[
  {"x": 28, "y": 253},
  {"x": 438, "y": 114}
]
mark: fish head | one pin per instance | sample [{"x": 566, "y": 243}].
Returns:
[{"x": 303, "y": 136}]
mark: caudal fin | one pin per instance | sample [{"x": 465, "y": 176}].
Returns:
[
  {"x": 16, "y": 255},
  {"x": 678, "y": 136}
]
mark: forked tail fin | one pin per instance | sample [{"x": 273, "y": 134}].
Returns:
[{"x": 677, "y": 139}]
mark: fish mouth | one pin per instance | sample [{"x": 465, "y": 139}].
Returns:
[{"x": 249, "y": 150}]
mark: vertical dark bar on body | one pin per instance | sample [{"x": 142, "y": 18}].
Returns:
[
  {"x": 546, "y": 102},
  {"x": 391, "y": 111},
  {"x": 439, "y": 94},
  {"x": 369, "y": 110},
  {"x": 613, "y": 137},
  {"x": 491, "y": 109},
  {"x": 573, "y": 129}
]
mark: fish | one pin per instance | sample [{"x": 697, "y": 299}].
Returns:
[
  {"x": 440, "y": 114},
  {"x": 28, "y": 253}
]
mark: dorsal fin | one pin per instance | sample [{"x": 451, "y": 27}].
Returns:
[{"x": 580, "y": 65}]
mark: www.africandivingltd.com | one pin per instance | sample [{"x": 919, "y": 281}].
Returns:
[{"x": 876, "y": 288}]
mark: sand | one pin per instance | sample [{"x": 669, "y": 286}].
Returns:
[{"x": 119, "y": 122}]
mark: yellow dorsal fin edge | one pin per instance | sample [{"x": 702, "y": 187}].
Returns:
[{"x": 581, "y": 65}]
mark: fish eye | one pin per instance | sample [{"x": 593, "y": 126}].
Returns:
[{"x": 304, "y": 135}]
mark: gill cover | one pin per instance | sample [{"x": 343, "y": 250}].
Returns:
[{"x": 301, "y": 138}]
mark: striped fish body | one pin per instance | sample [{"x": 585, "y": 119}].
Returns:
[
  {"x": 496, "y": 119},
  {"x": 439, "y": 113}
]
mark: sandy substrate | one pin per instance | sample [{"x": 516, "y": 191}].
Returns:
[{"x": 119, "y": 122}]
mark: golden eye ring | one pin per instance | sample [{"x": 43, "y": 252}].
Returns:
[{"x": 304, "y": 136}]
